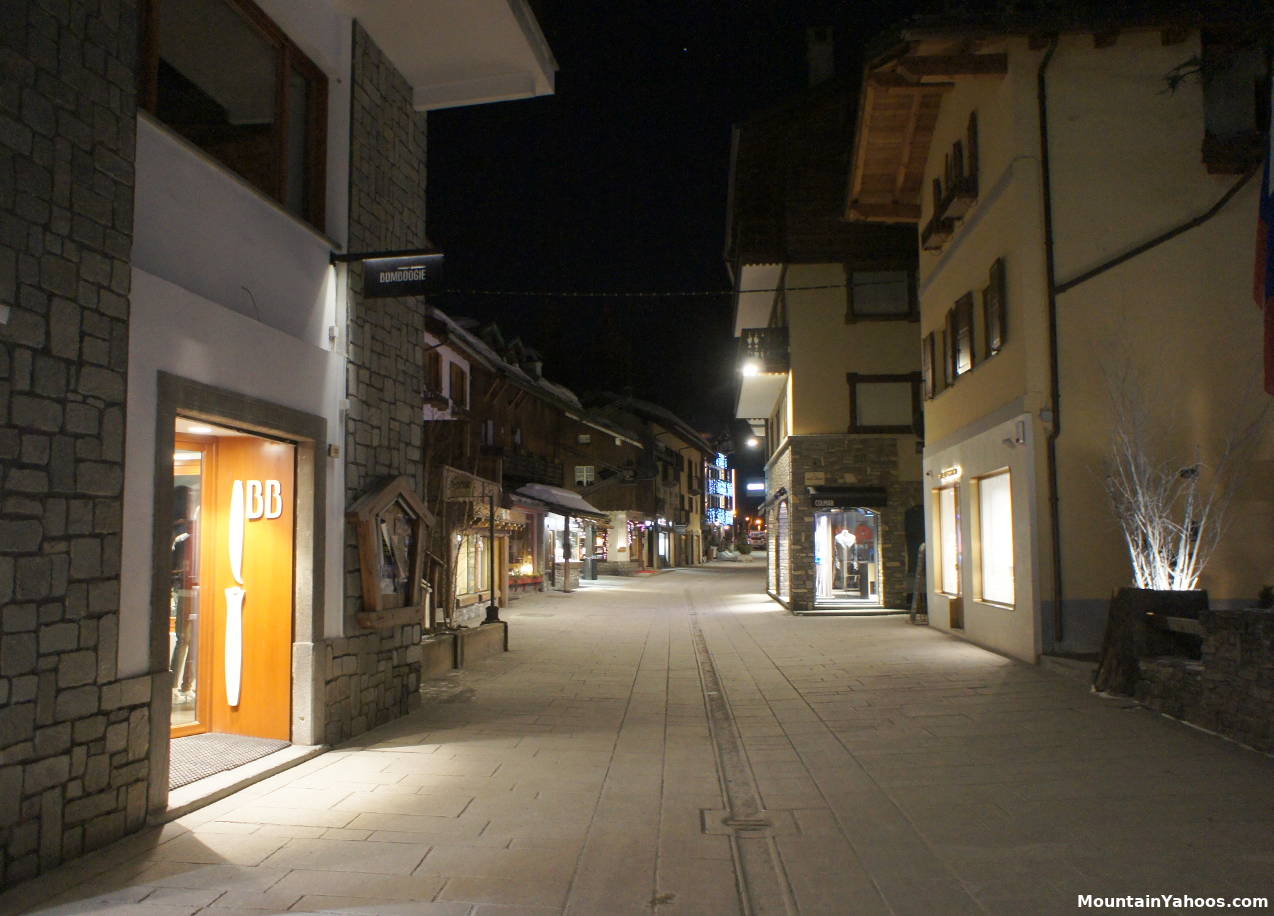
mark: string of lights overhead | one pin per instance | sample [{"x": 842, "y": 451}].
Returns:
[{"x": 650, "y": 294}]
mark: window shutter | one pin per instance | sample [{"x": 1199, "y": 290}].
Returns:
[
  {"x": 993, "y": 303},
  {"x": 948, "y": 349},
  {"x": 964, "y": 334},
  {"x": 973, "y": 149},
  {"x": 926, "y": 365}
]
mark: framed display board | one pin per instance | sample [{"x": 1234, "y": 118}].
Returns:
[{"x": 392, "y": 525}]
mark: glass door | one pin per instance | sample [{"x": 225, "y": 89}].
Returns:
[
  {"x": 190, "y": 488},
  {"x": 846, "y": 562}
]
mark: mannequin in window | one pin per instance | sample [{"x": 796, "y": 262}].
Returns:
[
  {"x": 844, "y": 554},
  {"x": 182, "y": 581}
]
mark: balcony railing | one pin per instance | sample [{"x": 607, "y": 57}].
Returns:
[
  {"x": 766, "y": 348},
  {"x": 522, "y": 469}
]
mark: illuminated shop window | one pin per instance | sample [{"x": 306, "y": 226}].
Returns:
[
  {"x": 947, "y": 523},
  {"x": 995, "y": 538}
]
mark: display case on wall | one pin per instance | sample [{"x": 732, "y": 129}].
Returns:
[{"x": 392, "y": 524}]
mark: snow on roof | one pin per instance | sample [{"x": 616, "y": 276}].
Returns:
[
  {"x": 558, "y": 498},
  {"x": 479, "y": 347}
]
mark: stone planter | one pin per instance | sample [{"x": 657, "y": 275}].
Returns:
[{"x": 1130, "y": 637}]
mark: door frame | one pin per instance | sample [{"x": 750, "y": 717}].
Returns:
[{"x": 308, "y": 433}]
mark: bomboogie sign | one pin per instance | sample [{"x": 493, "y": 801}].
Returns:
[{"x": 409, "y": 275}]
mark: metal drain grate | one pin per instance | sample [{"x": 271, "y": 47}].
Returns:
[{"x": 197, "y": 756}]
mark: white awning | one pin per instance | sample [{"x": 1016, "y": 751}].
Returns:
[{"x": 563, "y": 502}]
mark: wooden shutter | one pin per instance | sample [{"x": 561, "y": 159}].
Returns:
[
  {"x": 963, "y": 334},
  {"x": 926, "y": 365},
  {"x": 993, "y": 304},
  {"x": 972, "y": 163},
  {"x": 433, "y": 372}
]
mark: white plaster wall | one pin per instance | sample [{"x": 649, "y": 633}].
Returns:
[
  {"x": 1014, "y": 631},
  {"x": 175, "y": 330}
]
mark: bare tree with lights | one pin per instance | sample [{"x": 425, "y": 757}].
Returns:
[{"x": 1171, "y": 510}]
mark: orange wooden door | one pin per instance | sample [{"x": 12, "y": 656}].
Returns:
[{"x": 265, "y": 470}]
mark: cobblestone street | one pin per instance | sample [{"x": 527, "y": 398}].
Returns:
[{"x": 679, "y": 744}]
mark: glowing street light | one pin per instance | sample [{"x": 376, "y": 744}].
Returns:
[
  {"x": 753, "y": 442},
  {"x": 751, "y": 367}
]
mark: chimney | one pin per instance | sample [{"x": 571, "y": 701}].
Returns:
[
  {"x": 533, "y": 368},
  {"x": 820, "y": 54}
]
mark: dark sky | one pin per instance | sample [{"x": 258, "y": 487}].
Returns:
[{"x": 618, "y": 183}]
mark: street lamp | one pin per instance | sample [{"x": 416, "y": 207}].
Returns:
[{"x": 751, "y": 367}]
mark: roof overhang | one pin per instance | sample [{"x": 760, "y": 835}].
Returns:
[
  {"x": 752, "y": 309},
  {"x": 897, "y": 112},
  {"x": 759, "y": 393},
  {"x": 460, "y": 52}
]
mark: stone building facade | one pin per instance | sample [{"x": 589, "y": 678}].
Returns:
[
  {"x": 374, "y": 677},
  {"x": 73, "y": 736},
  {"x": 830, "y": 462}
]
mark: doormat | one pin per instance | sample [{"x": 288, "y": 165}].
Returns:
[{"x": 197, "y": 756}]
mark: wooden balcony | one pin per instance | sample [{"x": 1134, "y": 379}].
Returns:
[{"x": 767, "y": 348}]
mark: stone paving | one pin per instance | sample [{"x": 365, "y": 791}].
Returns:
[{"x": 678, "y": 744}]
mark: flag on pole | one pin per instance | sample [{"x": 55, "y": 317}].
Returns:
[{"x": 1264, "y": 286}]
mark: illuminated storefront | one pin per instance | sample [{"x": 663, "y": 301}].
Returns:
[{"x": 231, "y": 582}]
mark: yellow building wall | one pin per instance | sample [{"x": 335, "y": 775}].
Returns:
[
  {"x": 825, "y": 348},
  {"x": 1126, "y": 167}
]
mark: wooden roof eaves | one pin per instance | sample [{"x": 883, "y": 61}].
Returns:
[{"x": 877, "y": 82}]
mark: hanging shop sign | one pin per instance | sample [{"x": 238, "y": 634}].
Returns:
[
  {"x": 413, "y": 275},
  {"x": 949, "y": 475},
  {"x": 411, "y": 272}
]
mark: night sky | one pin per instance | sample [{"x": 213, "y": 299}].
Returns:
[{"x": 618, "y": 183}]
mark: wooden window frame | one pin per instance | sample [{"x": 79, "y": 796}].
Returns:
[
  {"x": 290, "y": 58},
  {"x": 591, "y": 475},
  {"x": 854, "y": 379},
  {"x": 913, "y": 302}
]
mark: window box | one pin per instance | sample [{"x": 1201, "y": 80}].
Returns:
[{"x": 937, "y": 232}]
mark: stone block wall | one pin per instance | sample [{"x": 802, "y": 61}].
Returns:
[
  {"x": 374, "y": 676},
  {"x": 73, "y": 737},
  {"x": 1230, "y": 690},
  {"x": 846, "y": 461},
  {"x": 1238, "y": 675}
]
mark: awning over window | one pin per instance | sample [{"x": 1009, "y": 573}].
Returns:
[{"x": 555, "y": 499}]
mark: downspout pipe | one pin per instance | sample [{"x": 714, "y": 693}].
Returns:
[{"x": 1054, "y": 408}]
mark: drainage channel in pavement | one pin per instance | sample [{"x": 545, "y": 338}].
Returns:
[{"x": 763, "y": 884}]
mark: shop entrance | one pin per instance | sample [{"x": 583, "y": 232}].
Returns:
[
  {"x": 846, "y": 558},
  {"x": 231, "y": 582}
]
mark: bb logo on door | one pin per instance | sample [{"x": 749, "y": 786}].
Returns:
[{"x": 264, "y": 499}]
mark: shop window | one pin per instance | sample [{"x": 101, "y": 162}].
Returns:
[
  {"x": 473, "y": 573},
  {"x": 585, "y": 475},
  {"x": 459, "y": 389},
  {"x": 995, "y": 538},
  {"x": 947, "y": 527},
  {"x": 993, "y": 309},
  {"x": 962, "y": 327},
  {"x": 884, "y": 403},
  {"x": 221, "y": 74},
  {"x": 880, "y": 294}
]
